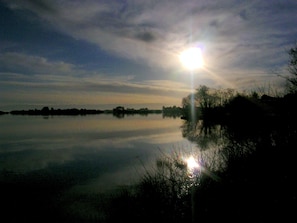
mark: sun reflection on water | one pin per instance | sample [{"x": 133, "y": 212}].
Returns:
[
  {"x": 192, "y": 163},
  {"x": 192, "y": 166}
]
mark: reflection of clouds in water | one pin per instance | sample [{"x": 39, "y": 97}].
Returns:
[
  {"x": 25, "y": 161},
  {"x": 168, "y": 137},
  {"x": 91, "y": 154},
  {"x": 171, "y": 136},
  {"x": 65, "y": 139},
  {"x": 112, "y": 180}
]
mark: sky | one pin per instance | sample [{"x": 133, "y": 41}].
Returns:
[{"x": 104, "y": 53}]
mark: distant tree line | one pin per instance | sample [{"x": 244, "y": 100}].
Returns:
[
  {"x": 121, "y": 111},
  {"x": 47, "y": 111},
  {"x": 118, "y": 111},
  {"x": 172, "y": 111},
  {"x": 3, "y": 113}
]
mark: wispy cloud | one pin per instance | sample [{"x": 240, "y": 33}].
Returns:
[
  {"x": 154, "y": 32},
  {"x": 242, "y": 42},
  {"x": 17, "y": 62}
]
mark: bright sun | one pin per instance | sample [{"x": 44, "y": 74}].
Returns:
[{"x": 191, "y": 58}]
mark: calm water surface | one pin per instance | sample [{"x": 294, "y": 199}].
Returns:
[
  {"x": 95, "y": 152},
  {"x": 62, "y": 167}
]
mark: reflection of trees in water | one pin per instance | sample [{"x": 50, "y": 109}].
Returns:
[
  {"x": 204, "y": 136},
  {"x": 220, "y": 144}
]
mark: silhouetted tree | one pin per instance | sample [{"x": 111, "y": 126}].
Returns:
[
  {"x": 206, "y": 99},
  {"x": 292, "y": 68},
  {"x": 45, "y": 111}
]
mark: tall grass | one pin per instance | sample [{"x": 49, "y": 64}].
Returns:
[{"x": 162, "y": 195}]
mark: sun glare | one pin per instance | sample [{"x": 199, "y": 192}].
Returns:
[{"x": 191, "y": 58}]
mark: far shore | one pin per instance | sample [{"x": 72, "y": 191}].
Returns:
[{"x": 118, "y": 111}]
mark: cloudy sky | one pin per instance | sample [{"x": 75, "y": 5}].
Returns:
[{"x": 104, "y": 53}]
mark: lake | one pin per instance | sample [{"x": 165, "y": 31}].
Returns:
[
  {"x": 62, "y": 168},
  {"x": 111, "y": 151},
  {"x": 90, "y": 154}
]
